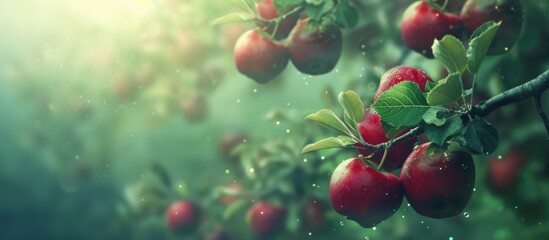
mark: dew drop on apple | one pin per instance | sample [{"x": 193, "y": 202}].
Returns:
[
  {"x": 451, "y": 238},
  {"x": 466, "y": 214},
  {"x": 341, "y": 223},
  {"x": 227, "y": 171}
]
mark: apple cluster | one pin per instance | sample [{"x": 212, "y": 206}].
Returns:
[
  {"x": 437, "y": 183},
  {"x": 424, "y": 21},
  {"x": 263, "y": 53}
]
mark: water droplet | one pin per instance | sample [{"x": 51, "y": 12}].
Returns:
[
  {"x": 261, "y": 212},
  {"x": 227, "y": 171},
  {"x": 310, "y": 233},
  {"x": 374, "y": 228},
  {"x": 277, "y": 122},
  {"x": 451, "y": 238},
  {"x": 252, "y": 170},
  {"x": 500, "y": 157},
  {"x": 341, "y": 223},
  {"x": 506, "y": 49},
  {"x": 304, "y": 160},
  {"x": 322, "y": 157},
  {"x": 255, "y": 90},
  {"x": 466, "y": 214},
  {"x": 287, "y": 130}
]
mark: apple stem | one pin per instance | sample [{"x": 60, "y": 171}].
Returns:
[
  {"x": 277, "y": 23},
  {"x": 472, "y": 92},
  {"x": 296, "y": 10},
  {"x": 444, "y": 5},
  {"x": 539, "y": 108},
  {"x": 385, "y": 152}
]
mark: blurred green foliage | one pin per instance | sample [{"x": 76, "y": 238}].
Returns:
[{"x": 96, "y": 140}]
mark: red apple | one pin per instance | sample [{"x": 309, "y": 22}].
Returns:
[
  {"x": 422, "y": 24},
  {"x": 232, "y": 192},
  {"x": 267, "y": 10},
  {"x": 364, "y": 194},
  {"x": 266, "y": 219},
  {"x": 194, "y": 107},
  {"x": 313, "y": 214},
  {"x": 372, "y": 132},
  {"x": 183, "y": 217},
  {"x": 438, "y": 184},
  {"x": 228, "y": 142},
  {"x": 259, "y": 58},
  {"x": 503, "y": 173},
  {"x": 315, "y": 49},
  {"x": 509, "y": 12},
  {"x": 399, "y": 74}
]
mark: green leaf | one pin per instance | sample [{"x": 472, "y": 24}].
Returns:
[
  {"x": 352, "y": 106},
  {"x": 283, "y": 6},
  {"x": 440, "y": 134},
  {"x": 232, "y": 18},
  {"x": 447, "y": 90},
  {"x": 402, "y": 105},
  {"x": 234, "y": 208},
  {"x": 435, "y": 116},
  {"x": 481, "y": 137},
  {"x": 479, "y": 42},
  {"x": 241, "y": 4},
  {"x": 346, "y": 15},
  {"x": 317, "y": 8},
  {"x": 331, "y": 142},
  {"x": 451, "y": 53},
  {"x": 328, "y": 119}
]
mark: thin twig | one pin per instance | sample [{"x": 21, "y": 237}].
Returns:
[{"x": 539, "y": 108}]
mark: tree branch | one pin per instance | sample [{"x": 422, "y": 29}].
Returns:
[{"x": 531, "y": 88}]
